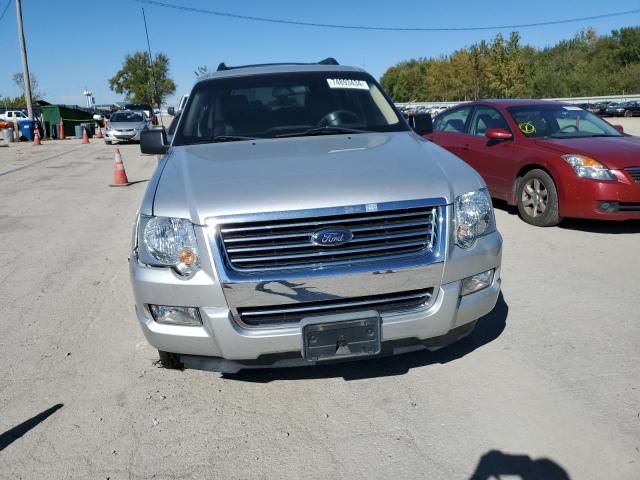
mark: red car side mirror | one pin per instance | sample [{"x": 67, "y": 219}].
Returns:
[
  {"x": 619, "y": 128},
  {"x": 498, "y": 134}
]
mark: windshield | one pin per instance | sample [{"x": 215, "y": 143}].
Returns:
[
  {"x": 560, "y": 121},
  {"x": 286, "y": 104},
  {"x": 126, "y": 117}
]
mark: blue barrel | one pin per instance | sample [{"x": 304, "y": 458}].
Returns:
[{"x": 26, "y": 129}]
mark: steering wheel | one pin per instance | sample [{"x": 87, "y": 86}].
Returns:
[
  {"x": 339, "y": 117},
  {"x": 575, "y": 129}
]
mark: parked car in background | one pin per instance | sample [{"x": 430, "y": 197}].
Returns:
[
  {"x": 612, "y": 110},
  {"x": 13, "y": 116},
  {"x": 550, "y": 159},
  {"x": 625, "y": 109},
  {"x": 599, "y": 108},
  {"x": 146, "y": 108},
  {"x": 126, "y": 126},
  {"x": 306, "y": 225}
]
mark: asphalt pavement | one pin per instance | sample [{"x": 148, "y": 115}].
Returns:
[{"x": 548, "y": 384}]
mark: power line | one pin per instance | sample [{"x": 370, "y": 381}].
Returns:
[
  {"x": 6, "y": 7},
  {"x": 391, "y": 29}
]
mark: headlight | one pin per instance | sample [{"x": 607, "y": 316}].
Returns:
[
  {"x": 474, "y": 217},
  {"x": 586, "y": 167},
  {"x": 168, "y": 242}
]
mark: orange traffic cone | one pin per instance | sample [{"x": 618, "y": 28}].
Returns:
[
  {"x": 119, "y": 174},
  {"x": 61, "y": 130},
  {"x": 36, "y": 136},
  {"x": 85, "y": 135}
]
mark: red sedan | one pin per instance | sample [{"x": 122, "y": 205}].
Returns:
[{"x": 550, "y": 159}]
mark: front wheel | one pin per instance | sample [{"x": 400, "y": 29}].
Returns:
[
  {"x": 538, "y": 199},
  {"x": 628, "y": 113},
  {"x": 107, "y": 142}
]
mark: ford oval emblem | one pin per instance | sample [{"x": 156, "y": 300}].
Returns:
[{"x": 331, "y": 237}]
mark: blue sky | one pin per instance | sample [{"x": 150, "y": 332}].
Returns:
[{"x": 75, "y": 44}]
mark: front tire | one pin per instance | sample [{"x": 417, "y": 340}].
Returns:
[
  {"x": 538, "y": 199},
  {"x": 628, "y": 113},
  {"x": 107, "y": 142}
]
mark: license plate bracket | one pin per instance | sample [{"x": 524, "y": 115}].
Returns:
[{"x": 335, "y": 337}]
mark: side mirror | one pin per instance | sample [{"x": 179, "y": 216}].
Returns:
[
  {"x": 619, "y": 128},
  {"x": 421, "y": 123},
  {"x": 498, "y": 134},
  {"x": 171, "y": 111},
  {"x": 154, "y": 142}
]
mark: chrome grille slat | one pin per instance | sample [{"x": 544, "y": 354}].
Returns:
[
  {"x": 327, "y": 252},
  {"x": 388, "y": 226},
  {"x": 330, "y": 263},
  {"x": 315, "y": 223},
  {"x": 280, "y": 242},
  {"x": 288, "y": 314},
  {"x": 392, "y": 226},
  {"x": 369, "y": 238}
]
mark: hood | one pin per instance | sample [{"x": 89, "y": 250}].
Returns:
[
  {"x": 615, "y": 152},
  {"x": 269, "y": 175},
  {"x": 126, "y": 125}
]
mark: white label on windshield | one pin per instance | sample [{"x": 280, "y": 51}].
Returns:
[
  {"x": 347, "y": 83},
  {"x": 572, "y": 108}
]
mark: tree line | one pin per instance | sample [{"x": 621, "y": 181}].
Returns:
[{"x": 586, "y": 65}]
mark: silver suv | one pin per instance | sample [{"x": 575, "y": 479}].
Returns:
[{"x": 296, "y": 218}]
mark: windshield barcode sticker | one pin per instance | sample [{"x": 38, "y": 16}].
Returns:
[
  {"x": 347, "y": 83},
  {"x": 572, "y": 108}
]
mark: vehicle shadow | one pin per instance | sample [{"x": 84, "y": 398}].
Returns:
[
  {"x": 583, "y": 225},
  {"x": 504, "y": 206},
  {"x": 602, "y": 226},
  {"x": 13, "y": 434},
  {"x": 495, "y": 464},
  {"x": 487, "y": 330}
]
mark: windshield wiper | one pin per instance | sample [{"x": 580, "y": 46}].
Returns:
[
  {"x": 220, "y": 138},
  {"x": 323, "y": 131}
]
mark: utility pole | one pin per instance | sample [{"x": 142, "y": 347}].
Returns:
[
  {"x": 153, "y": 75},
  {"x": 25, "y": 63}
]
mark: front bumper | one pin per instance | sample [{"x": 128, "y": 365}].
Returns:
[
  {"x": 582, "y": 198},
  {"x": 116, "y": 136},
  {"x": 222, "y": 337}
]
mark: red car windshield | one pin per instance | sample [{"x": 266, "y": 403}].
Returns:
[{"x": 559, "y": 121}]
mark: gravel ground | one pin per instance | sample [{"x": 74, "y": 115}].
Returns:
[{"x": 548, "y": 384}]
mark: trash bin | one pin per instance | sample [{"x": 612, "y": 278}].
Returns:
[
  {"x": 26, "y": 129},
  {"x": 78, "y": 129},
  {"x": 7, "y": 135}
]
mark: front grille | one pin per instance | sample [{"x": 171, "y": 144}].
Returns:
[
  {"x": 629, "y": 206},
  {"x": 615, "y": 207},
  {"x": 286, "y": 243},
  {"x": 634, "y": 172},
  {"x": 288, "y": 314}
]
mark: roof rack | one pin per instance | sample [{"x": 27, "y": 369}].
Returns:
[{"x": 326, "y": 61}]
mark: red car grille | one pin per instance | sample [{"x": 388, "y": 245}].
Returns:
[{"x": 634, "y": 172}]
